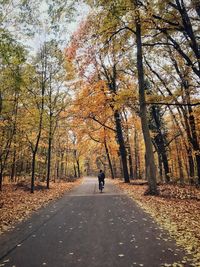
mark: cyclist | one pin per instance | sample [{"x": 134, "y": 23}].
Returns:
[{"x": 101, "y": 178}]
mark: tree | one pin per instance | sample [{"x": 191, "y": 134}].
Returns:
[
  {"x": 12, "y": 59},
  {"x": 143, "y": 110},
  {"x": 160, "y": 141},
  {"x": 104, "y": 66},
  {"x": 188, "y": 50},
  {"x": 56, "y": 99},
  {"x": 35, "y": 87}
]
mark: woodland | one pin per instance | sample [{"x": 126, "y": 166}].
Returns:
[
  {"x": 122, "y": 93},
  {"x": 118, "y": 91}
]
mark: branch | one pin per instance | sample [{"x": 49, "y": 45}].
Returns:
[
  {"x": 119, "y": 30},
  {"x": 177, "y": 25},
  {"x": 172, "y": 104},
  {"x": 155, "y": 44},
  {"x": 182, "y": 53},
  {"x": 179, "y": 134},
  {"x": 102, "y": 124},
  {"x": 97, "y": 141}
]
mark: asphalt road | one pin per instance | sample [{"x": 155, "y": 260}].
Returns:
[{"x": 86, "y": 229}]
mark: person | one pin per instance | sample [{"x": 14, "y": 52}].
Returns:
[{"x": 101, "y": 178}]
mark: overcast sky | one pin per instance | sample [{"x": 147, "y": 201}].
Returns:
[{"x": 64, "y": 36}]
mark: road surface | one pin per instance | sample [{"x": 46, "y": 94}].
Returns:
[{"x": 88, "y": 229}]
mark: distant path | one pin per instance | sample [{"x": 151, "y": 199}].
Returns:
[{"x": 86, "y": 229}]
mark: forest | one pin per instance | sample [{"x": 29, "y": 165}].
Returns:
[
  {"x": 121, "y": 93},
  {"x": 97, "y": 84}
]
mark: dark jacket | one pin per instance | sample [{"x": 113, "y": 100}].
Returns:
[{"x": 101, "y": 176}]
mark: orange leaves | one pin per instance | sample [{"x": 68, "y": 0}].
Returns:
[
  {"x": 78, "y": 40},
  {"x": 91, "y": 99},
  {"x": 16, "y": 203},
  {"x": 177, "y": 192},
  {"x": 70, "y": 51}
]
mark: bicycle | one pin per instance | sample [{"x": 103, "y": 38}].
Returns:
[{"x": 101, "y": 186}]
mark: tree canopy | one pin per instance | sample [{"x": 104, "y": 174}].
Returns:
[{"x": 121, "y": 94}]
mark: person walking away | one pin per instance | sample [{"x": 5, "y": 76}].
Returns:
[{"x": 101, "y": 178}]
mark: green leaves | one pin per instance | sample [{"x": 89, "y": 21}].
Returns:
[{"x": 11, "y": 52}]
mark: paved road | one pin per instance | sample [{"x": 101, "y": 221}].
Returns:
[{"x": 86, "y": 229}]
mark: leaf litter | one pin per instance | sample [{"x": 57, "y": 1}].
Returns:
[
  {"x": 176, "y": 209},
  {"x": 17, "y": 203}
]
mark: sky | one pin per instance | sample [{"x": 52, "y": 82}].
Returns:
[
  {"x": 81, "y": 12},
  {"x": 16, "y": 19}
]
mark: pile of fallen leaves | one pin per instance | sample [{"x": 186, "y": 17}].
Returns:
[
  {"x": 176, "y": 209},
  {"x": 17, "y": 203}
]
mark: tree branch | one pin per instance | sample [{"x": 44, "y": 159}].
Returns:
[{"x": 98, "y": 121}]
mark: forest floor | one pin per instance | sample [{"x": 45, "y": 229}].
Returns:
[
  {"x": 89, "y": 228},
  {"x": 176, "y": 209},
  {"x": 17, "y": 203}
]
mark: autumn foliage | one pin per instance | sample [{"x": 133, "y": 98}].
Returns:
[{"x": 103, "y": 53}]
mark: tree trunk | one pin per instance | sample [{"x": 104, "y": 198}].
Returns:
[
  {"x": 197, "y": 156},
  {"x": 62, "y": 165},
  {"x": 34, "y": 152},
  {"x": 160, "y": 167},
  {"x": 143, "y": 111},
  {"x": 57, "y": 170},
  {"x": 49, "y": 161},
  {"x": 180, "y": 166},
  {"x": 120, "y": 166},
  {"x": 33, "y": 172},
  {"x": 166, "y": 166},
  {"x": 160, "y": 141},
  {"x": 66, "y": 164},
  {"x": 109, "y": 160},
  {"x": 130, "y": 161},
  {"x": 78, "y": 168},
  {"x": 137, "y": 156},
  {"x": 122, "y": 148},
  {"x": 75, "y": 173},
  {"x": 194, "y": 140},
  {"x": 13, "y": 168},
  {"x": 139, "y": 166},
  {"x": 191, "y": 166},
  {"x": 147, "y": 168}
]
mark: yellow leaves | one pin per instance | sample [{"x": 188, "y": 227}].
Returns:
[
  {"x": 4, "y": 123},
  {"x": 70, "y": 70},
  {"x": 158, "y": 99},
  {"x": 125, "y": 97},
  {"x": 177, "y": 210},
  {"x": 172, "y": 265}
]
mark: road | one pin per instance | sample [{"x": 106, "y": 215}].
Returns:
[{"x": 88, "y": 229}]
